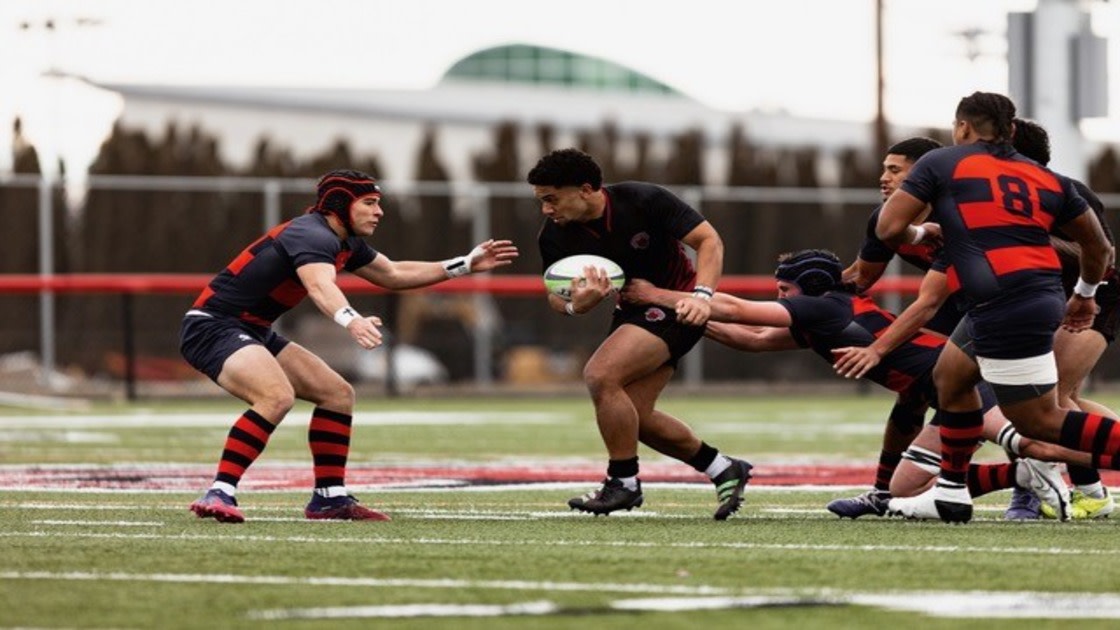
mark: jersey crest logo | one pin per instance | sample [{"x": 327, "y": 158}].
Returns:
[
  {"x": 244, "y": 337},
  {"x": 654, "y": 314},
  {"x": 640, "y": 240}
]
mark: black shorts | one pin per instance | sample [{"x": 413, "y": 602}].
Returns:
[
  {"x": 1017, "y": 327},
  {"x": 1107, "y": 320},
  {"x": 663, "y": 323},
  {"x": 207, "y": 340}
]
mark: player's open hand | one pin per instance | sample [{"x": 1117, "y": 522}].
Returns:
[
  {"x": 364, "y": 331},
  {"x": 492, "y": 254},
  {"x": 855, "y": 361},
  {"x": 1079, "y": 313}
]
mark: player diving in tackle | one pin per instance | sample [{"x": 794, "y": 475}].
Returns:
[{"x": 817, "y": 310}]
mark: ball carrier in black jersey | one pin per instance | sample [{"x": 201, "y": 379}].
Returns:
[
  {"x": 641, "y": 227},
  {"x": 227, "y": 335}
]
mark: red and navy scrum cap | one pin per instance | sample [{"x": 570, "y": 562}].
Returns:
[{"x": 338, "y": 189}]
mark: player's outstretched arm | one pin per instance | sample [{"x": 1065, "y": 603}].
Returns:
[
  {"x": 413, "y": 274},
  {"x": 751, "y": 338},
  {"x": 724, "y": 307},
  {"x": 319, "y": 280},
  {"x": 854, "y": 361}
]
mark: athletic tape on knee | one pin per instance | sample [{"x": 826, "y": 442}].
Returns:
[
  {"x": 1009, "y": 439},
  {"x": 925, "y": 459}
]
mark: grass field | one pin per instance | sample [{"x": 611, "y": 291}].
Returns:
[{"x": 94, "y": 530}]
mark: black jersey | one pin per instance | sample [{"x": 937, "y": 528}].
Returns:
[
  {"x": 261, "y": 284},
  {"x": 1071, "y": 265},
  {"x": 641, "y": 230},
  {"x": 838, "y": 319},
  {"x": 922, "y": 256},
  {"x": 996, "y": 209}
]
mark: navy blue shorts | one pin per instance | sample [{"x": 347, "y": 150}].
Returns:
[
  {"x": 663, "y": 323},
  {"x": 206, "y": 340},
  {"x": 1018, "y": 327}
]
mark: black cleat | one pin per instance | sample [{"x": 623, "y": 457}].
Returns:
[
  {"x": 613, "y": 496},
  {"x": 729, "y": 488},
  {"x": 870, "y": 502}
]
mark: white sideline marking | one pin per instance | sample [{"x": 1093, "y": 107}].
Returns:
[
  {"x": 225, "y": 420},
  {"x": 517, "y": 585},
  {"x": 408, "y": 611},
  {"x": 374, "y": 540},
  {"x": 112, "y": 523}
]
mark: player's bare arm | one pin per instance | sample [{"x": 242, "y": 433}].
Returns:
[
  {"x": 854, "y": 362},
  {"x": 319, "y": 280},
  {"x": 751, "y": 338},
  {"x": 413, "y": 274},
  {"x": 863, "y": 274},
  {"x": 899, "y": 212},
  {"x": 694, "y": 309},
  {"x": 1096, "y": 252},
  {"x": 724, "y": 307}
]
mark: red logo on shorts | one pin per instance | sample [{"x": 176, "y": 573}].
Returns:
[{"x": 654, "y": 314}]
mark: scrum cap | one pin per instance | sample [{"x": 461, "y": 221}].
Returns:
[
  {"x": 339, "y": 188},
  {"x": 814, "y": 271}
]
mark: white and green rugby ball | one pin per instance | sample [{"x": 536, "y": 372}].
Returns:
[{"x": 558, "y": 277}]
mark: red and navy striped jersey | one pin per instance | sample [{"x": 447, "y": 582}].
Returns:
[
  {"x": 640, "y": 230},
  {"x": 838, "y": 319},
  {"x": 996, "y": 209},
  {"x": 261, "y": 284}
]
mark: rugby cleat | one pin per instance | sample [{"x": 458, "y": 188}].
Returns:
[
  {"x": 345, "y": 508},
  {"x": 219, "y": 506},
  {"x": 1085, "y": 506},
  {"x": 1024, "y": 506},
  {"x": 950, "y": 504},
  {"x": 611, "y": 497},
  {"x": 870, "y": 502},
  {"x": 729, "y": 488},
  {"x": 1044, "y": 481}
]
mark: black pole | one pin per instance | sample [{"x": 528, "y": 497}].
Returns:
[
  {"x": 128, "y": 335},
  {"x": 392, "y": 383}
]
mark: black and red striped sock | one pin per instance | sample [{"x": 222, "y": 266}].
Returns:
[
  {"x": 1094, "y": 434},
  {"x": 960, "y": 433},
  {"x": 328, "y": 435},
  {"x": 985, "y": 478},
  {"x": 244, "y": 444},
  {"x": 888, "y": 462}
]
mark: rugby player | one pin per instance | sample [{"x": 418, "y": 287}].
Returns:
[{"x": 641, "y": 227}]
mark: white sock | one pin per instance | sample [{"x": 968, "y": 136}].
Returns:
[
  {"x": 224, "y": 487},
  {"x": 331, "y": 491},
  {"x": 630, "y": 483},
  {"x": 718, "y": 465},
  {"x": 1093, "y": 490}
]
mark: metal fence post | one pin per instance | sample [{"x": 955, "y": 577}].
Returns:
[
  {"x": 483, "y": 339},
  {"x": 46, "y": 271}
]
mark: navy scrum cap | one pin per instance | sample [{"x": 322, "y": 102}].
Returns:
[
  {"x": 338, "y": 189},
  {"x": 814, "y": 271}
]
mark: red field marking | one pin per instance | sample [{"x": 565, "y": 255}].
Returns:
[{"x": 265, "y": 477}]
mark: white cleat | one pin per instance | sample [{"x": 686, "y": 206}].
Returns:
[
  {"x": 1044, "y": 481},
  {"x": 952, "y": 505}
]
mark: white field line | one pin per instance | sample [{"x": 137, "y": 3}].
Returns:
[
  {"x": 407, "y": 611},
  {"x": 376, "y": 540},
  {"x": 279, "y": 580},
  {"x": 103, "y": 523},
  {"x": 181, "y": 420},
  {"x": 454, "y": 486}
]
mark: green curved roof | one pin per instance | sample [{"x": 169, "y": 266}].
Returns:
[{"x": 520, "y": 63}]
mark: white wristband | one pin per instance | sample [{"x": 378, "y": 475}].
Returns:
[
  {"x": 569, "y": 309},
  {"x": 461, "y": 265},
  {"x": 1086, "y": 289},
  {"x": 458, "y": 266},
  {"x": 702, "y": 292},
  {"x": 345, "y": 315},
  {"x": 919, "y": 234}
]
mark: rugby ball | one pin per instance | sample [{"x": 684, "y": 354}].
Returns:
[{"x": 558, "y": 276}]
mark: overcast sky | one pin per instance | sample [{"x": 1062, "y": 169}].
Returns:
[{"x": 808, "y": 57}]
